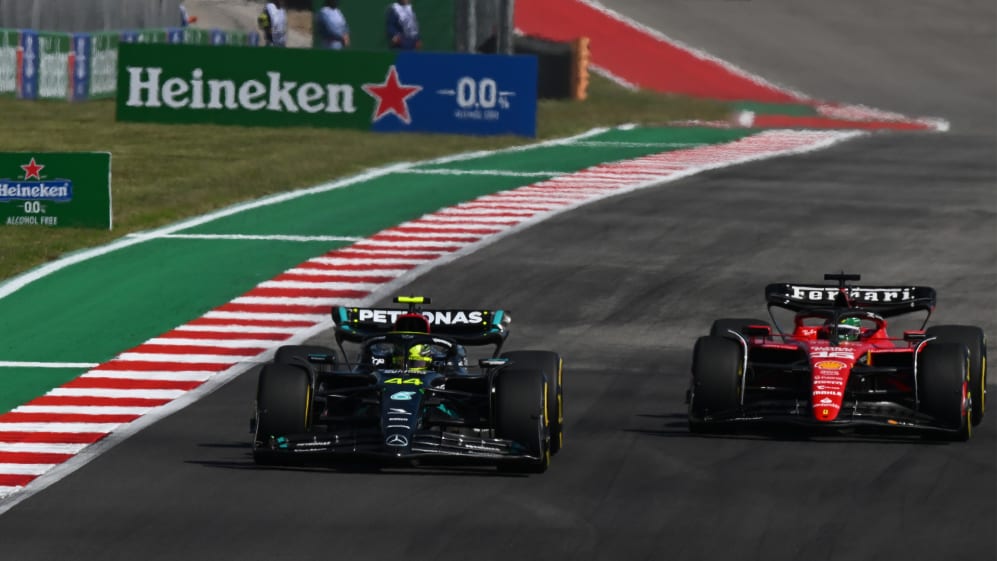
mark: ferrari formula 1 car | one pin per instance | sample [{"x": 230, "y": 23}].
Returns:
[
  {"x": 409, "y": 394},
  {"x": 837, "y": 366}
]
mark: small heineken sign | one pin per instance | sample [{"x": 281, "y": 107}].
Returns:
[{"x": 53, "y": 189}]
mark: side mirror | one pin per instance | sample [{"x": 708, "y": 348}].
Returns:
[
  {"x": 757, "y": 330},
  {"x": 914, "y": 336},
  {"x": 492, "y": 362}
]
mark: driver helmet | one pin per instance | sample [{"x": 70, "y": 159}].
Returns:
[
  {"x": 849, "y": 329},
  {"x": 419, "y": 357}
]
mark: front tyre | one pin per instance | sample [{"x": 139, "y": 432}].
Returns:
[
  {"x": 283, "y": 407},
  {"x": 552, "y": 366},
  {"x": 975, "y": 340},
  {"x": 717, "y": 373},
  {"x": 942, "y": 386},
  {"x": 521, "y": 416}
]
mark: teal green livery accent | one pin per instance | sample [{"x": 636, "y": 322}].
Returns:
[
  {"x": 497, "y": 319},
  {"x": 343, "y": 321}
]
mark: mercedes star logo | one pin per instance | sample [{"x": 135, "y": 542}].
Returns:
[{"x": 396, "y": 440}]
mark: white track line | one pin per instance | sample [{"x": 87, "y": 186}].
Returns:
[
  {"x": 14, "y": 364},
  {"x": 483, "y": 172},
  {"x": 245, "y": 237},
  {"x": 41, "y": 447},
  {"x": 81, "y": 410},
  {"x": 171, "y": 376}
]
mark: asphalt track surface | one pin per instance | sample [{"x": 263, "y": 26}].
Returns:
[{"x": 621, "y": 289}]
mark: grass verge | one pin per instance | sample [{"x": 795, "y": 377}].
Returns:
[{"x": 164, "y": 173}]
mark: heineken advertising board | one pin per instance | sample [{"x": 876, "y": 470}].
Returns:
[
  {"x": 54, "y": 65},
  {"x": 80, "y": 66},
  {"x": 55, "y": 189},
  {"x": 381, "y": 91},
  {"x": 10, "y": 54}
]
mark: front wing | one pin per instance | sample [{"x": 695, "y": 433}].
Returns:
[
  {"x": 884, "y": 414},
  {"x": 372, "y": 444}
]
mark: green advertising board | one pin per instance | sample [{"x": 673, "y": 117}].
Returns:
[
  {"x": 236, "y": 37},
  {"x": 53, "y": 65},
  {"x": 78, "y": 66},
  {"x": 8, "y": 61},
  {"x": 151, "y": 36},
  {"x": 104, "y": 64},
  {"x": 195, "y": 36},
  {"x": 55, "y": 189},
  {"x": 233, "y": 85}
]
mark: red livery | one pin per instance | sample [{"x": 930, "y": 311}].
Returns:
[{"x": 837, "y": 366}]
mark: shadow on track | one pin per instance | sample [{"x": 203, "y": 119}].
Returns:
[
  {"x": 425, "y": 468},
  {"x": 676, "y": 426}
]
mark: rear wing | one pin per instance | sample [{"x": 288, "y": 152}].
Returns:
[
  {"x": 467, "y": 327},
  {"x": 886, "y": 301}
]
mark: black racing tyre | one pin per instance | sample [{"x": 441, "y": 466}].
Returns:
[
  {"x": 942, "y": 376},
  {"x": 283, "y": 406},
  {"x": 723, "y": 327},
  {"x": 975, "y": 340},
  {"x": 717, "y": 370},
  {"x": 552, "y": 366},
  {"x": 311, "y": 354},
  {"x": 521, "y": 416}
]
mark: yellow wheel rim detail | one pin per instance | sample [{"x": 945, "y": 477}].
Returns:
[
  {"x": 983, "y": 384},
  {"x": 308, "y": 404},
  {"x": 546, "y": 418}
]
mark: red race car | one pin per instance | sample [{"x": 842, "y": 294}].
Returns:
[{"x": 837, "y": 366}]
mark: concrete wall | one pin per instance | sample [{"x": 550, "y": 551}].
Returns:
[{"x": 88, "y": 15}]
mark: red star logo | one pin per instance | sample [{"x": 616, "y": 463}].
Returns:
[
  {"x": 391, "y": 96},
  {"x": 31, "y": 169}
]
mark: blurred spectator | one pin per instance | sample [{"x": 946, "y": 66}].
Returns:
[
  {"x": 186, "y": 19},
  {"x": 402, "y": 27},
  {"x": 333, "y": 31},
  {"x": 273, "y": 22}
]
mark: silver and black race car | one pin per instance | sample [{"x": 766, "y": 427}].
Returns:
[
  {"x": 837, "y": 366},
  {"x": 405, "y": 393}
]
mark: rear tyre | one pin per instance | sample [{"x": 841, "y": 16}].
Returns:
[
  {"x": 975, "y": 340},
  {"x": 520, "y": 416},
  {"x": 723, "y": 327},
  {"x": 283, "y": 407},
  {"x": 942, "y": 376},
  {"x": 717, "y": 371},
  {"x": 551, "y": 364},
  {"x": 311, "y": 354}
]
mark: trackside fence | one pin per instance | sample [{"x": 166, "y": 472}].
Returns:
[{"x": 81, "y": 66}]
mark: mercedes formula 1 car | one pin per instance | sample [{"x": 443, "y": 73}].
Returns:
[
  {"x": 409, "y": 395},
  {"x": 837, "y": 365}
]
